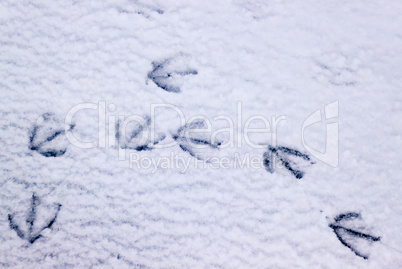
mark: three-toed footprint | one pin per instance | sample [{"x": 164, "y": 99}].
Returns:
[
  {"x": 197, "y": 144},
  {"x": 351, "y": 232},
  {"x": 31, "y": 231},
  {"x": 290, "y": 159},
  {"x": 169, "y": 74},
  {"x": 47, "y": 136}
]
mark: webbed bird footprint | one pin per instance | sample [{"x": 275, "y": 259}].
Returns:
[
  {"x": 48, "y": 136},
  {"x": 350, "y": 230},
  {"x": 33, "y": 231},
  {"x": 136, "y": 134},
  {"x": 290, "y": 159},
  {"x": 196, "y": 143},
  {"x": 169, "y": 74}
]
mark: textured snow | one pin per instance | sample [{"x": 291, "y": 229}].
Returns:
[{"x": 277, "y": 57}]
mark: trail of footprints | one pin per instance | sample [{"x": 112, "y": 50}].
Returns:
[{"x": 47, "y": 137}]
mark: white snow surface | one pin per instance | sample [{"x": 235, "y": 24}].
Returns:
[{"x": 275, "y": 57}]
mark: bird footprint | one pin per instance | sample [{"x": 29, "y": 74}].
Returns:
[
  {"x": 348, "y": 229},
  {"x": 290, "y": 159},
  {"x": 196, "y": 143},
  {"x": 168, "y": 74},
  {"x": 33, "y": 231},
  {"x": 135, "y": 135},
  {"x": 47, "y": 136}
]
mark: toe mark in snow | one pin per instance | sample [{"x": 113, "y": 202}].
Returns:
[
  {"x": 145, "y": 10},
  {"x": 336, "y": 69}
]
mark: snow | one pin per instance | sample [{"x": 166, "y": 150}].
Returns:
[{"x": 283, "y": 60}]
